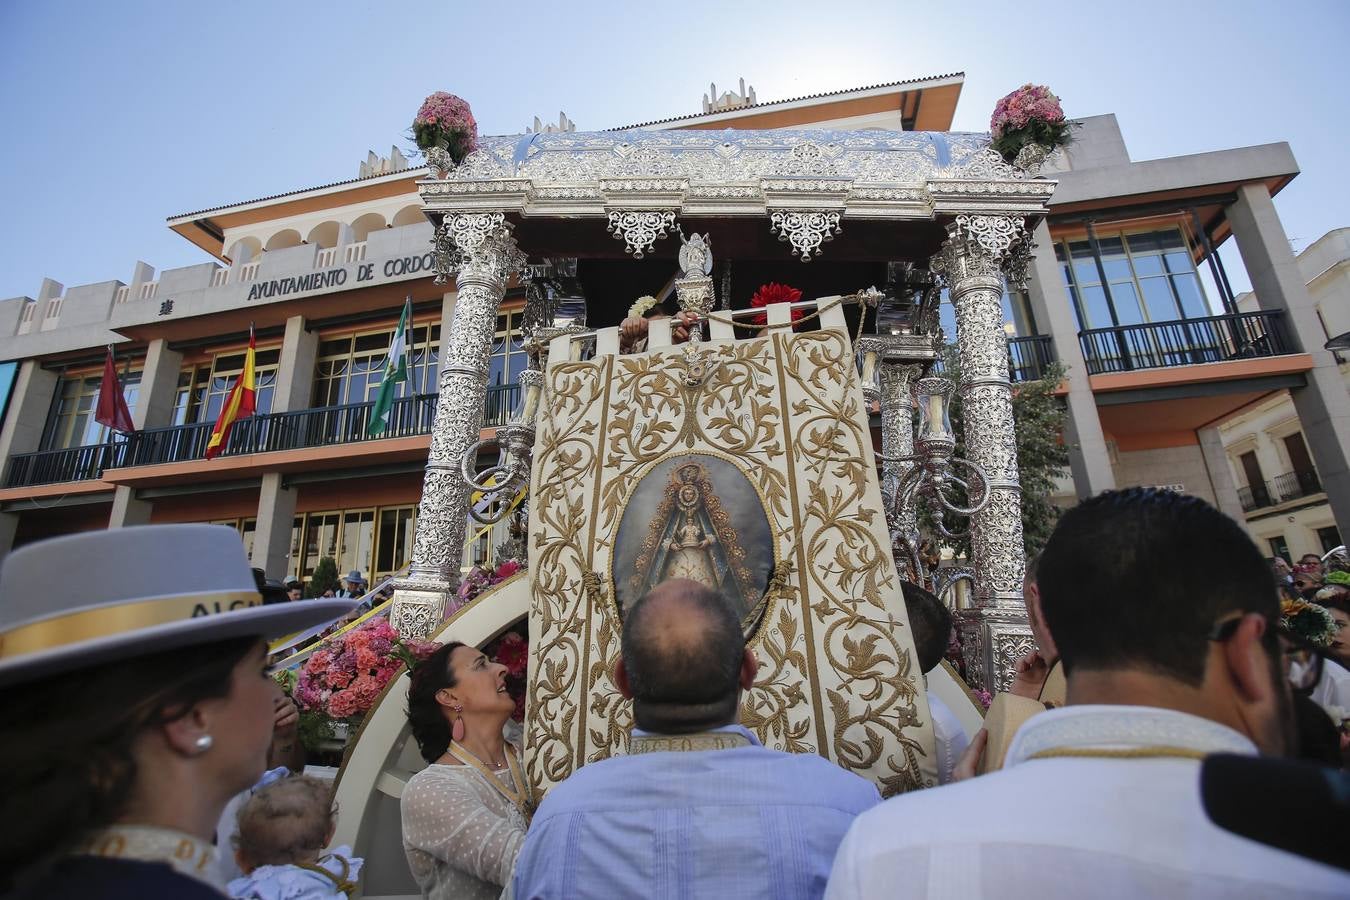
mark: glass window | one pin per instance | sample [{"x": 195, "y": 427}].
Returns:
[
  {"x": 351, "y": 369},
  {"x": 395, "y": 540},
  {"x": 1151, "y": 277},
  {"x": 71, "y": 422}
]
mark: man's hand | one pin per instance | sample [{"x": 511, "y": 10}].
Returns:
[
  {"x": 1029, "y": 675},
  {"x": 680, "y": 326},
  {"x": 969, "y": 763},
  {"x": 631, "y": 330}
]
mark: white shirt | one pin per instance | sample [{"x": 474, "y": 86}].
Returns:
[
  {"x": 949, "y": 735},
  {"x": 1075, "y": 827},
  {"x": 1333, "y": 688}
]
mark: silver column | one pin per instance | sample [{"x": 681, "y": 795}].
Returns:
[
  {"x": 994, "y": 631},
  {"x": 485, "y": 258}
]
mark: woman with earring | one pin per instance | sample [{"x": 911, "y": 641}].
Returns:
[
  {"x": 465, "y": 814},
  {"x": 135, "y": 707}
]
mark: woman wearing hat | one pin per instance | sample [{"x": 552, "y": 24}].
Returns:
[{"x": 136, "y": 707}]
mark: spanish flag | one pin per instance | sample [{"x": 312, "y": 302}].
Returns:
[{"x": 239, "y": 403}]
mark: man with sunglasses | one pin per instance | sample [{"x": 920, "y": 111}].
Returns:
[{"x": 1164, "y": 614}]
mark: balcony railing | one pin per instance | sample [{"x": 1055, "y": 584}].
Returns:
[
  {"x": 1257, "y": 496},
  {"x": 1185, "y": 342},
  {"x": 265, "y": 433},
  {"x": 1029, "y": 357},
  {"x": 67, "y": 464},
  {"x": 1292, "y": 485}
]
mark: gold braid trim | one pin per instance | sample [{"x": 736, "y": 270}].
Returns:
[{"x": 1131, "y": 753}]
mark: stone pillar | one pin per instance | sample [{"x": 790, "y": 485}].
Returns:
[
  {"x": 1220, "y": 474},
  {"x": 486, "y": 259},
  {"x": 29, "y": 404},
  {"x": 276, "y": 503},
  {"x": 1089, "y": 460},
  {"x": 1324, "y": 405},
  {"x": 276, "y": 518},
  {"x": 994, "y": 630},
  {"x": 154, "y": 407},
  {"x": 295, "y": 367}
]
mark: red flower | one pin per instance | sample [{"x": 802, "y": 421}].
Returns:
[
  {"x": 513, "y": 652},
  {"x": 507, "y": 569},
  {"x": 773, "y": 292}
]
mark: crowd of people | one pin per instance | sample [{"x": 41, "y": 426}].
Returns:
[{"x": 1149, "y": 747}]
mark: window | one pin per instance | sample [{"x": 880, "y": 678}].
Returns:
[
  {"x": 202, "y": 389},
  {"x": 1279, "y": 547},
  {"x": 508, "y": 358},
  {"x": 351, "y": 369},
  {"x": 1329, "y": 537},
  {"x": 247, "y": 529},
  {"x": 71, "y": 422},
  {"x": 1150, "y": 275},
  {"x": 378, "y": 542},
  {"x": 1018, "y": 320}
]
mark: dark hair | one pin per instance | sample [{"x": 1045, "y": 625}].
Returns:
[
  {"x": 1318, "y": 738},
  {"x": 426, "y": 717},
  {"x": 681, "y": 686},
  {"x": 67, "y": 766},
  {"x": 930, "y": 622},
  {"x": 1136, "y": 579},
  {"x": 286, "y": 822}
]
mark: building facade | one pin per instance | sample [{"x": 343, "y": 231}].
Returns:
[
  {"x": 1155, "y": 362},
  {"x": 1278, "y": 482}
]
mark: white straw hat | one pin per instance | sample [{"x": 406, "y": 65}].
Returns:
[{"x": 125, "y": 592}]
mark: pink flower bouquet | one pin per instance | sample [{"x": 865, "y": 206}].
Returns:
[
  {"x": 1029, "y": 115},
  {"x": 343, "y": 677},
  {"x": 480, "y": 578},
  {"x": 446, "y": 121}
]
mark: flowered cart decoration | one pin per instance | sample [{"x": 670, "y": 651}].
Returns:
[{"x": 1028, "y": 125}]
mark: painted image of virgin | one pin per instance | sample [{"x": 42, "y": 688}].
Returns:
[{"x": 707, "y": 525}]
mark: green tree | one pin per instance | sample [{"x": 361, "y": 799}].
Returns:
[
  {"x": 1042, "y": 455},
  {"x": 325, "y": 578}
]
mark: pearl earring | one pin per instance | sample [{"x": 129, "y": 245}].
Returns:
[{"x": 203, "y": 743}]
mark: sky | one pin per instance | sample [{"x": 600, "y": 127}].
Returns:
[{"x": 119, "y": 115}]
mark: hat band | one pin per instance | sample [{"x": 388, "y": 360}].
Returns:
[{"x": 107, "y": 621}]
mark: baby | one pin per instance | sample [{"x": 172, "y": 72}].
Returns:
[{"x": 283, "y": 829}]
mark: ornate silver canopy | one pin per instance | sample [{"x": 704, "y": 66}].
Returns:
[{"x": 853, "y": 174}]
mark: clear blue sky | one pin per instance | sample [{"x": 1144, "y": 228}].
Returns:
[{"x": 118, "y": 115}]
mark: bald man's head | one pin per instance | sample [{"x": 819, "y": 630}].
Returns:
[{"x": 682, "y": 654}]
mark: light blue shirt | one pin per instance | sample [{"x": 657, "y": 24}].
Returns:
[{"x": 744, "y": 822}]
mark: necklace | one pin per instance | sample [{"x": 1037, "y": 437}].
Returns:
[
  {"x": 519, "y": 793},
  {"x": 1130, "y": 753}
]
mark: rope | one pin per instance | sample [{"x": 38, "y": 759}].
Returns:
[{"x": 728, "y": 320}]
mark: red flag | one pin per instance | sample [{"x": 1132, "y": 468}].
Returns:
[
  {"x": 112, "y": 406},
  {"x": 240, "y": 402}
]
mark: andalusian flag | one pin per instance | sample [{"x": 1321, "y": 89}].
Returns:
[
  {"x": 240, "y": 402},
  {"x": 395, "y": 371}
]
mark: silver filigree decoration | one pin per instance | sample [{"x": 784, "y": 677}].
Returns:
[
  {"x": 438, "y": 161},
  {"x": 805, "y": 230},
  {"x": 640, "y": 229},
  {"x": 1032, "y": 157},
  {"x": 995, "y": 234},
  {"x": 1017, "y": 264}
]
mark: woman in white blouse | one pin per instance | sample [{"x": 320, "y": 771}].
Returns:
[{"x": 465, "y": 814}]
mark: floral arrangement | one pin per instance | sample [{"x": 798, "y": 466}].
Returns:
[
  {"x": 640, "y": 306},
  {"x": 1308, "y": 621},
  {"x": 480, "y": 578},
  {"x": 1029, "y": 115},
  {"x": 773, "y": 292},
  {"x": 342, "y": 678},
  {"x": 513, "y": 651},
  {"x": 445, "y": 121}
]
